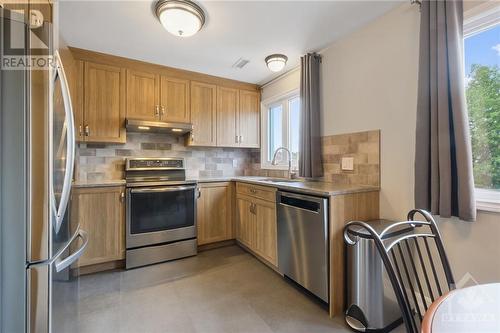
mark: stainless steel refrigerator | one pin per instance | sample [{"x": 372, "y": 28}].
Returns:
[{"x": 39, "y": 243}]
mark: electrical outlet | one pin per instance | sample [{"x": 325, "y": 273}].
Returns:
[{"x": 347, "y": 163}]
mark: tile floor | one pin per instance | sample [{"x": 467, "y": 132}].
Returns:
[{"x": 221, "y": 290}]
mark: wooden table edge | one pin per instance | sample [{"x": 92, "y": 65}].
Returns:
[{"x": 429, "y": 315}]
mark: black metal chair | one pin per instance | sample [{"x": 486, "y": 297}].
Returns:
[{"x": 411, "y": 262}]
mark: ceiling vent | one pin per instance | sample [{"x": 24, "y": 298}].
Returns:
[{"x": 240, "y": 63}]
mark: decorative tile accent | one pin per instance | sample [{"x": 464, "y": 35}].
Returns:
[
  {"x": 364, "y": 147},
  {"x": 97, "y": 162}
]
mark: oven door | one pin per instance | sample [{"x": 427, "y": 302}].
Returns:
[{"x": 157, "y": 215}]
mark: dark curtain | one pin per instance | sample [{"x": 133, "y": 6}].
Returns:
[
  {"x": 444, "y": 182},
  {"x": 310, "y": 164}
]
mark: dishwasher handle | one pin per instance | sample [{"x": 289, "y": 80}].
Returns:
[{"x": 302, "y": 202}]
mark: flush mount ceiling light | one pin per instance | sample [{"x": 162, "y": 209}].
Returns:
[
  {"x": 182, "y": 18},
  {"x": 276, "y": 62}
]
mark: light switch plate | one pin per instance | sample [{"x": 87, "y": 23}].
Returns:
[{"x": 347, "y": 163}]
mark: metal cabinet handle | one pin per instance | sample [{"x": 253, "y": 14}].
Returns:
[
  {"x": 80, "y": 130},
  {"x": 198, "y": 194},
  {"x": 163, "y": 110},
  {"x": 157, "y": 110},
  {"x": 252, "y": 190},
  {"x": 87, "y": 130},
  {"x": 122, "y": 197},
  {"x": 241, "y": 138},
  {"x": 236, "y": 139}
]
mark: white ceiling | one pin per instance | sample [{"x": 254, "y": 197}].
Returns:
[{"x": 234, "y": 29}]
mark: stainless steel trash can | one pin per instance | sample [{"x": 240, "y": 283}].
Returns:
[{"x": 371, "y": 302}]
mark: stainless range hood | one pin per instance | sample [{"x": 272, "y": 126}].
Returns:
[{"x": 144, "y": 126}]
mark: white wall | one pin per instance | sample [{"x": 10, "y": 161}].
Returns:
[
  {"x": 369, "y": 81},
  {"x": 284, "y": 84}
]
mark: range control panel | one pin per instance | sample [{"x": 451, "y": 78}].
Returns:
[{"x": 154, "y": 163}]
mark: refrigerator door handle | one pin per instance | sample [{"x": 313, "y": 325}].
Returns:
[
  {"x": 62, "y": 264},
  {"x": 70, "y": 145}
]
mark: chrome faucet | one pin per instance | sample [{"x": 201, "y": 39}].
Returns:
[{"x": 291, "y": 174}]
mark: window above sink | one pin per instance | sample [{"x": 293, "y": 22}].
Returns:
[{"x": 280, "y": 128}]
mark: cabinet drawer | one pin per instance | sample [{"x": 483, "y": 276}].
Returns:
[{"x": 262, "y": 192}]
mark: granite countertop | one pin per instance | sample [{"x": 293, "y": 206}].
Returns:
[
  {"x": 301, "y": 186},
  {"x": 306, "y": 186}
]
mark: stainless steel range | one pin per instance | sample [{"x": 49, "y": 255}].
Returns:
[{"x": 161, "y": 211}]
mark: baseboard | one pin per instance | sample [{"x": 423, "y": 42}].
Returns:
[
  {"x": 216, "y": 245},
  {"x": 105, "y": 266},
  {"x": 261, "y": 259}
]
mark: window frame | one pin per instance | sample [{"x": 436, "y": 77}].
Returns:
[
  {"x": 477, "y": 20},
  {"x": 265, "y": 106}
]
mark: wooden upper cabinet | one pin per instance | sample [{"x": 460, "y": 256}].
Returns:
[
  {"x": 203, "y": 114},
  {"x": 227, "y": 117},
  {"x": 174, "y": 100},
  {"x": 104, "y": 103},
  {"x": 142, "y": 95},
  {"x": 249, "y": 116},
  {"x": 101, "y": 213},
  {"x": 215, "y": 212}
]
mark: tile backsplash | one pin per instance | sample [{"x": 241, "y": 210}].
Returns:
[
  {"x": 364, "y": 147},
  {"x": 95, "y": 162}
]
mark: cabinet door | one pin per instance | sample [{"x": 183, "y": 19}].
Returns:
[
  {"x": 246, "y": 222},
  {"x": 266, "y": 231},
  {"x": 249, "y": 119},
  {"x": 100, "y": 212},
  {"x": 227, "y": 117},
  {"x": 203, "y": 114},
  {"x": 104, "y": 115},
  {"x": 214, "y": 213},
  {"x": 174, "y": 100},
  {"x": 142, "y": 95}
]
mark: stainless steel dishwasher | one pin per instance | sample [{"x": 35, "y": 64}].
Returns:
[{"x": 303, "y": 241}]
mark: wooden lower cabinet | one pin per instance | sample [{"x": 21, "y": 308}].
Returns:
[
  {"x": 246, "y": 222},
  {"x": 215, "y": 212},
  {"x": 100, "y": 211},
  {"x": 257, "y": 228},
  {"x": 266, "y": 231}
]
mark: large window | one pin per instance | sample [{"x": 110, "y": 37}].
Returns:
[
  {"x": 482, "y": 79},
  {"x": 281, "y": 126}
]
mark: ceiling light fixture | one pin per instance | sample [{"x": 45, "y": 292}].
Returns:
[
  {"x": 182, "y": 18},
  {"x": 276, "y": 62}
]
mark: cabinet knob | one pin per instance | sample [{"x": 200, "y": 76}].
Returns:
[{"x": 122, "y": 197}]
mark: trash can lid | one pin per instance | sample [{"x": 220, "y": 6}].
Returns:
[{"x": 379, "y": 226}]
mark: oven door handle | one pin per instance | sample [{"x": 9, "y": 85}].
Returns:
[{"x": 162, "y": 189}]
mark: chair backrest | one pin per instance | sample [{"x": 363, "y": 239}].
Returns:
[{"x": 415, "y": 262}]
